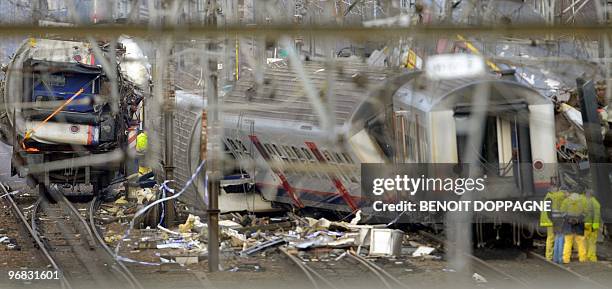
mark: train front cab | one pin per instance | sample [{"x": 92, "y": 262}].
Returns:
[{"x": 517, "y": 153}]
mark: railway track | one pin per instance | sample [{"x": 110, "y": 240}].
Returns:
[
  {"x": 37, "y": 240},
  {"x": 534, "y": 271},
  {"x": 72, "y": 245},
  {"x": 567, "y": 271},
  {"x": 356, "y": 272}
]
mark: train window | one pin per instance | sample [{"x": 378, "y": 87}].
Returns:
[
  {"x": 307, "y": 154},
  {"x": 348, "y": 158},
  {"x": 241, "y": 145},
  {"x": 330, "y": 160},
  {"x": 289, "y": 152},
  {"x": 231, "y": 142},
  {"x": 293, "y": 159},
  {"x": 344, "y": 169},
  {"x": 278, "y": 151},
  {"x": 327, "y": 156},
  {"x": 228, "y": 146},
  {"x": 54, "y": 79},
  {"x": 269, "y": 149},
  {"x": 303, "y": 159},
  {"x": 338, "y": 158},
  {"x": 230, "y": 151},
  {"x": 244, "y": 148},
  {"x": 235, "y": 145},
  {"x": 310, "y": 158},
  {"x": 297, "y": 153}
]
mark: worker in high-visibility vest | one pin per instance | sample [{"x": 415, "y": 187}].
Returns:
[
  {"x": 553, "y": 222},
  {"x": 574, "y": 208},
  {"x": 591, "y": 225},
  {"x": 145, "y": 174},
  {"x": 142, "y": 144}
]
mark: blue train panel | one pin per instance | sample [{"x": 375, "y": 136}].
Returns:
[{"x": 65, "y": 83}]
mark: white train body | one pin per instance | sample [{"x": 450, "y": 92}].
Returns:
[{"x": 404, "y": 119}]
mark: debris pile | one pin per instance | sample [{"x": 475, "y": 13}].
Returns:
[
  {"x": 319, "y": 240},
  {"x": 245, "y": 238},
  {"x": 8, "y": 243}
]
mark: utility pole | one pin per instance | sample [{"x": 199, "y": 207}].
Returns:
[
  {"x": 213, "y": 153},
  {"x": 168, "y": 117},
  {"x": 170, "y": 215}
]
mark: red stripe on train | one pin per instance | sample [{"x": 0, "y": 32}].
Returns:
[
  {"x": 337, "y": 183},
  {"x": 281, "y": 176}
]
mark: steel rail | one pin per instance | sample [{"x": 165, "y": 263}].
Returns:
[
  {"x": 371, "y": 268},
  {"x": 35, "y": 236},
  {"x": 530, "y": 253},
  {"x": 376, "y": 267},
  {"x": 566, "y": 269},
  {"x": 59, "y": 196},
  {"x": 378, "y": 271},
  {"x": 34, "y": 210},
  {"x": 123, "y": 270},
  {"x": 303, "y": 267},
  {"x": 479, "y": 261}
]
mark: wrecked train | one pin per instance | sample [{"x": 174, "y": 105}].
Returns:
[
  {"x": 64, "y": 116},
  {"x": 405, "y": 118}
]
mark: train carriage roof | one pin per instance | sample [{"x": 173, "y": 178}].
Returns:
[
  {"x": 283, "y": 97},
  {"x": 427, "y": 95}
]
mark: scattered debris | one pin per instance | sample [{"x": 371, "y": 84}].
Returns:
[
  {"x": 262, "y": 246},
  {"x": 422, "y": 251},
  {"x": 192, "y": 222},
  {"x": 121, "y": 201},
  {"x": 386, "y": 242},
  {"x": 246, "y": 267},
  {"x": 478, "y": 278},
  {"x": 572, "y": 114},
  {"x": 181, "y": 259},
  {"x": 9, "y": 243},
  {"x": 112, "y": 238},
  {"x": 244, "y": 235},
  {"x": 145, "y": 195}
]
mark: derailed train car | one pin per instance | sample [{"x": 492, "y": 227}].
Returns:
[
  {"x": 402, "y": 118},
  {"x": 61, "y": 116}
]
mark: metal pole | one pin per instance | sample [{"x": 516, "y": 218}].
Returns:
[
  {"x": 594, "y": 141},
  {"x": 213, "y": 167},
  {"x": 168, "y": 78}
]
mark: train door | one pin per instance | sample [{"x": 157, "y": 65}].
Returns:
[
  {"x": 408, "y": 136},
  {"x": 505, "y": 152}
]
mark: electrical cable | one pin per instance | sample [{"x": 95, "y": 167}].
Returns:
[{"x": 146, "y": 208}]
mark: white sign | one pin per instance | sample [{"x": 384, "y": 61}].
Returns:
[{"x": 449, "y": 66}]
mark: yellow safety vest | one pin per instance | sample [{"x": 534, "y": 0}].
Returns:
[
  {"x": 556, "y": 199},
  {"x": 142, "y": 142},
  {"x": 574, "y": 205},
  {"x": 593, "y": 212}
]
